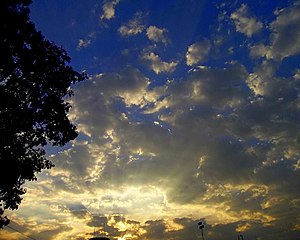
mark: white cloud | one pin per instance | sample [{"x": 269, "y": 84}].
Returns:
[
  {"x": 197, "y": 52},
  {"x": 157, "y": 34},
  {"x": 109, "y": 9},
  {"x": 157, "y": 65},
  {"x": 244, "y": 23},
  {"x": 84, "y": 43},
  {"x": 133, "y": 27}
]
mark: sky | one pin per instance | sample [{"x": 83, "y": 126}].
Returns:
[{"x": 190, "y": 113}]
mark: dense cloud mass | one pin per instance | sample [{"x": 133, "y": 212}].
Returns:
[{"x": 220, "y": 142}]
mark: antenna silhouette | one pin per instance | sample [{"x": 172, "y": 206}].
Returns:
[
  {"x": 240, "y": 237},
  {"x": 201, "y": 227}
]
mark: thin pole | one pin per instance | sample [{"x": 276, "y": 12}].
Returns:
[{"x": 202, "y": 233}]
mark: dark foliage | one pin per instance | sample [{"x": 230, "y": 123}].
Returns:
[{"x": 35, "y": 77}]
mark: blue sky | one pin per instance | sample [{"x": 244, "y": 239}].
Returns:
[{"x": 191, "y": 111}]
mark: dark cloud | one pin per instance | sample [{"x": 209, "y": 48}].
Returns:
[
  {"x": 155, "y": 229},
  {"x": 98, "y": 221}
]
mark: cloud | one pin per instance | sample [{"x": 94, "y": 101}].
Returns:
[
  {"x": 109, "y": 9},
  {"x": 197, "y": 52},
  {"x": 259, "y": 50},
  {"x": 51, "y": 233},
  {"x": 153, "y": 140},
  {"x": 156, "y": 34},
  {"x": 224, "y": 146},
  {"x": 215, "y": 86},
  {"x": 84, "y": 43},
  {"x": 155, "y": 229},
  {"x": 133, "y": 27},
  {"x": 284, "y": 38},
  {"x": 286, "y": 32},
  {"x": 157, "y": 65},
  {"x": 97, "y": 221},
  {"x": 220, "y": 143},
  {"x": 244, "y": 23}
]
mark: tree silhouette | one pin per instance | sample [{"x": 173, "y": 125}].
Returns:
[{"x": 35, "y": 77}]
